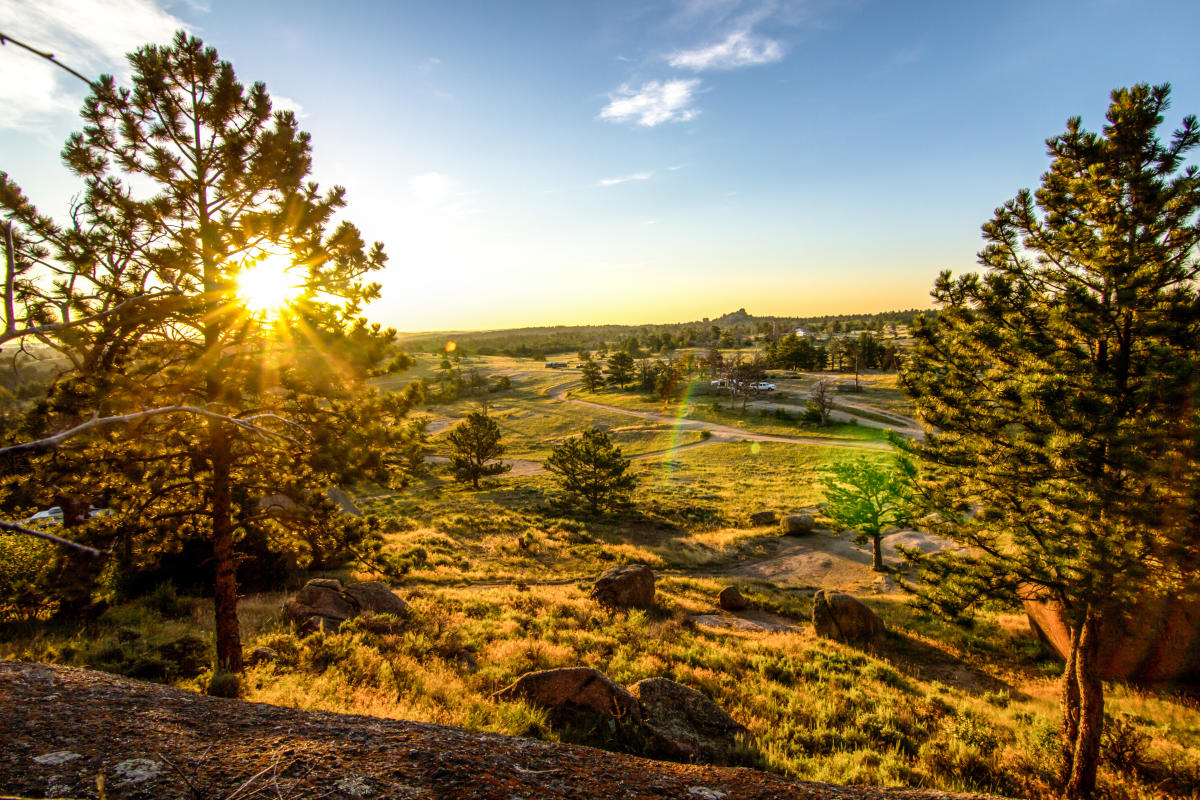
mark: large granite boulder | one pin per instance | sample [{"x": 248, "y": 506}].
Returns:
[
  {"x": 731, "y": 599},
  {"x": 839, "y": 616},
  {"x": 684, "y": 725},
  {"x": 654, "y": 717},
  {"x": 324, "y": 604},
  {"x": 374, "y": 597},
  {"x": 1157, "y": 639},
  {"x": 621, "y": 587},
  {"x": 570, "y": 690},
  {"x": 797, "y": 525}
]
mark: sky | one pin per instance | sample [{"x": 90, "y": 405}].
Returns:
[{"x": 627, "y": 162}]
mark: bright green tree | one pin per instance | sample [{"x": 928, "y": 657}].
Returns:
[
  {"x": 591, "y": 468},
  {"x": 869, "y": 496},
  {"x": 218, "y": 348},
  {"x": 1058, "y": 391},
  {"x": 620, "y": 368},
  {"x": 476, "y": 449}
]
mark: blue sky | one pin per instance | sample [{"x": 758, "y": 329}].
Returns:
[{"x": 531, "y": 163}]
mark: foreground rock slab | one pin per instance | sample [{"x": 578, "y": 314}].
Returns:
[{"x": 104, "y": 723}]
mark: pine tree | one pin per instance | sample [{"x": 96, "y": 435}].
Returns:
[
  {"x": 620, "y": 368},
  {"x": 592, "y": 375},
  {"x": 591, "y": 468},
  {"x": 476, "y": 442},
  {"x": 190, "y": 404},
  {"x": 1058, "y": 392}
]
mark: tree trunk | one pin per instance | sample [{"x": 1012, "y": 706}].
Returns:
[
  {"x": 1086, "y": 749},
  {"x": 877, "y": 553},
  {"x": 229, "y": 637},
  {"x": 1083, "y": 711}
]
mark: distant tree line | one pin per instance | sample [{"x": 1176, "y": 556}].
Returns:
[{"x": 730, "y": 331}]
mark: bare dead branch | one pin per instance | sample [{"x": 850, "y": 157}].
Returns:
[
  {"x": 12, "y": 332},
  {"x": 5, "y": 39},
  {"x": 247, "y": 424},
  {"x": 13, "y": 527}
]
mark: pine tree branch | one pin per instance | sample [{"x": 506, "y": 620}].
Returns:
[
  {"x": 5, "y": 39},
  {"x": 245, "y": 423},
  {"x": 11, "y": 331},
  {"x": 12, "y": 527}
]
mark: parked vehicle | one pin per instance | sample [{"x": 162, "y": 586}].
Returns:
[
  {"x": 54, "y": 515},
  {"x": 763, "y": 386}
]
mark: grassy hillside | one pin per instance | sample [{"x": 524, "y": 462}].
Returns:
[{"x": 498, "y": 581}]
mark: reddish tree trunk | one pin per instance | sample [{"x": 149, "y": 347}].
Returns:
[
  {"x": 877, "y": 553},
  {"x": 229, "y": 637},
  {"x": 1086, "y": 750}
]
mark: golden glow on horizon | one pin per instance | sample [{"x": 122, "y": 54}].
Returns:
[{"x": 266, "y": 285}]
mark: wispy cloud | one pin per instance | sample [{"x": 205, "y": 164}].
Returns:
[
  {"x": 441, "y": 195},
  {"x": 738, "y": 49},
  {"x": 636, "y": 176},
  {"x": 88, "y": 35},
  {"x": 281, "y": 103},
  {"x": 653, "y": 103}
]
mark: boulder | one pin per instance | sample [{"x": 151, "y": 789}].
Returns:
[
  {"x": 797, "y": 524},
  {"x": 324, "y": 599},
  {"x": 374, "y": 597},
  {"x": 620, "y": 587},
  {"x": 324, "y": 604},
  {"x": 731, "y": 599},
  {"x": 763, "y": 518},
  {"x": 839, "y": 616},
  {"x": 685, "y": 725},
  {"x": 1157, "y": 638},
  {"x": 571, "y": 690}
]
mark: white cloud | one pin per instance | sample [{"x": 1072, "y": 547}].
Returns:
[
  {"x": 90, "y": 36},
  {"x": 739, "y": 49},
  {"x": 653, "y": 104},
  {"x": 636, "y": 176},
  {"x": 281, "y": 103}
]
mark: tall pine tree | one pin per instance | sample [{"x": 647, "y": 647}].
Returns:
[
  {"x": 227, "y": 416},
  {"x": 1058, "y": 390}
]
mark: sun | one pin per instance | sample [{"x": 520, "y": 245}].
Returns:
[{"x": 266, "y": 285}]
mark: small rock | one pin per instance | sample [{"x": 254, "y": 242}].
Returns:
[
  {"x": 56, "y": 758},
  {"x": 260, "y": 655},
  {"x": 343, "y": 501},
  {"x": 631, "y": 585},
  {"x": 797, "y": 524},
  {"x": 704, "y": 793},
  {"x": 840, "y": 617},
  {"x": 731, "y": 599},
  {"x": 759, "y": 518},
  {"x": 137, "y": 770}
]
